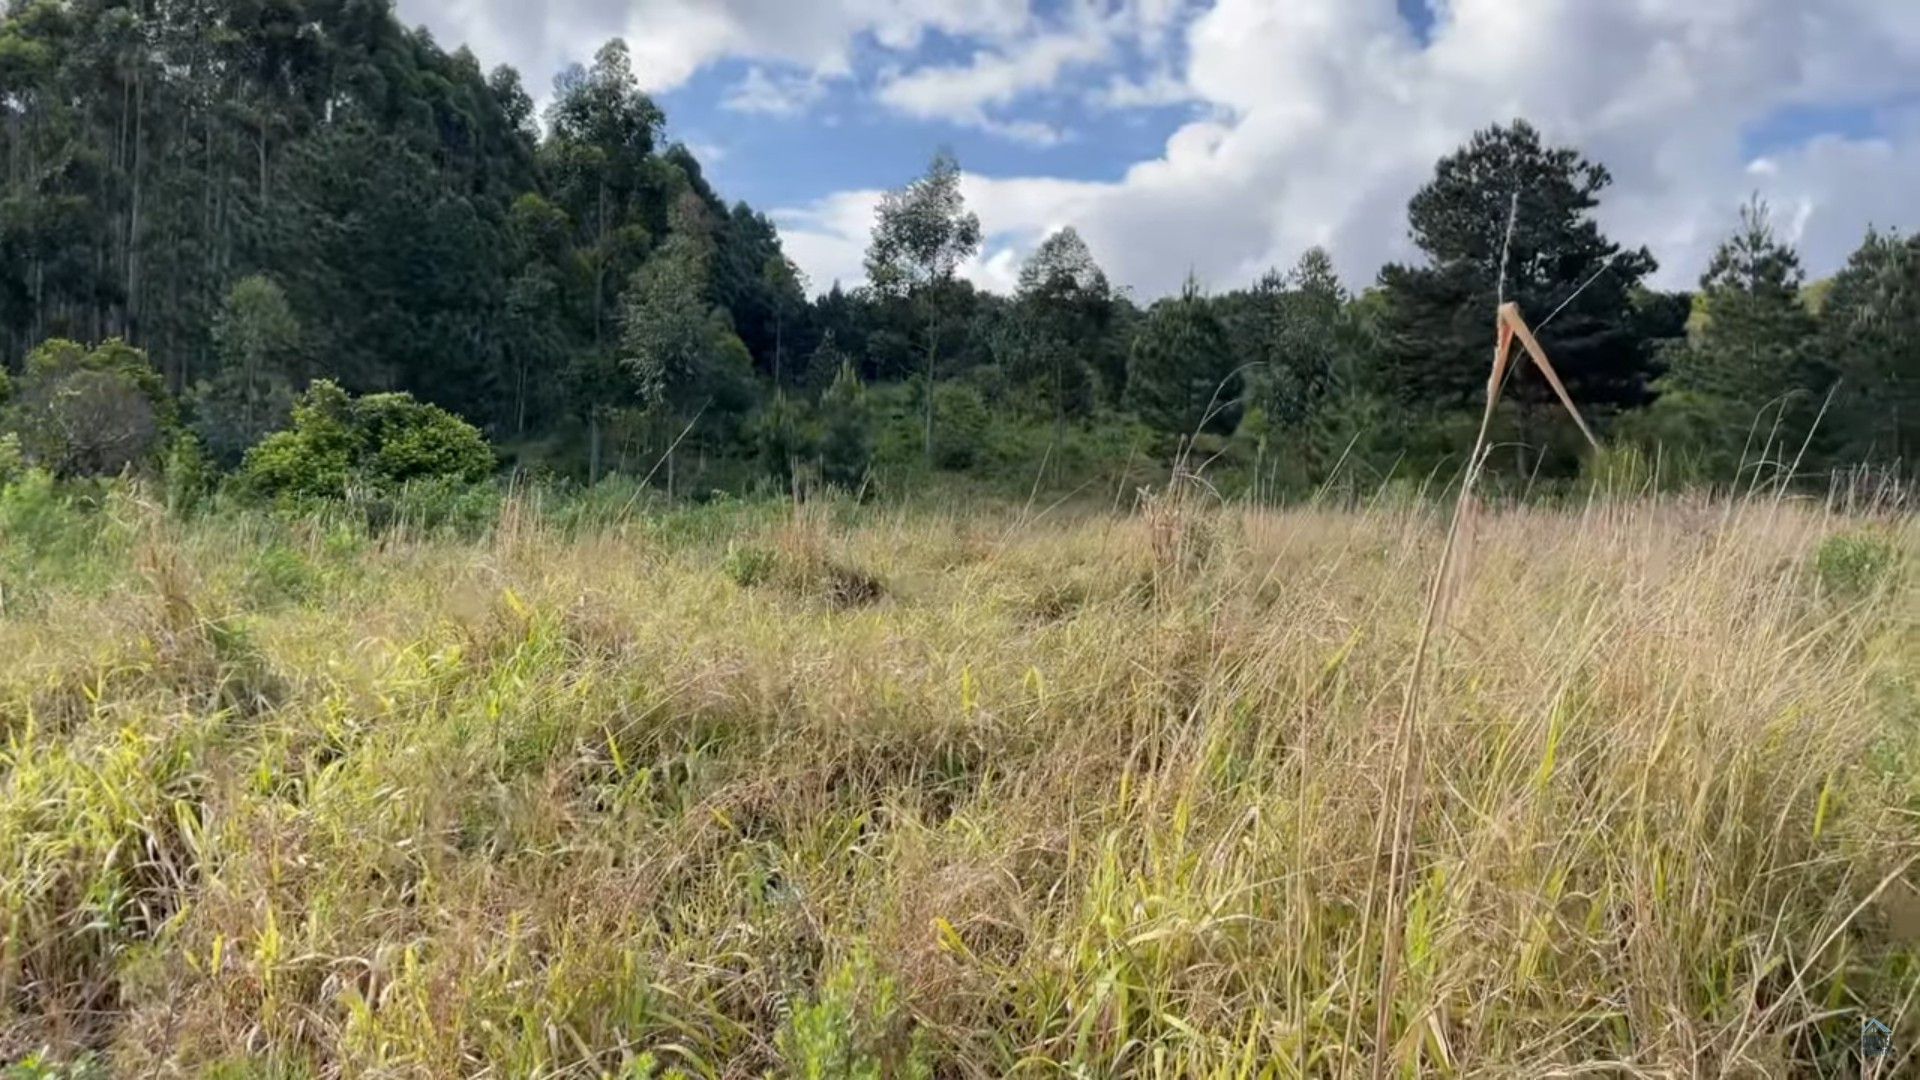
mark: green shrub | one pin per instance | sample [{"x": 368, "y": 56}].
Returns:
[
  {"x": 446, "y": 504},
  {"x": 846, "y": 430},
  {"x": 315, "y": 457},
  {"x": 379, "y": 442},
  {"x": 280, "y": 574},
  {"x": 748, "y": 566},
  {"x": 1698, "y": 439},
  {"x": 188, "y": 475},
  {"x": 854, "y": 1029},
  {"x": 39, "y": 521},
  {"x": 410, "y": 441},
  {"x": 1620, "y": 469},
  {"x": 81, "y": 413},
  {"x": 1853, "y": 564},
  {"x": 783, "y": 436},
  {"x": 960, "y": 424},
  {"x": 13, "y": 461}
]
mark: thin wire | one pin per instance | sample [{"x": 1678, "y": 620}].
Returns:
[
  {"x": 1506, "y": 245},
  {"x": 1577, "y": 292}
]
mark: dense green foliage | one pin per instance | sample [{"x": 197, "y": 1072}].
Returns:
[
  {"x": 377, "y": 442},
  {"x": 258, "y": 195},
  {"x": 77, "y": 412}
]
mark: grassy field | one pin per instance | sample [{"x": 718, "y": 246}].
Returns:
[{"x": 849, "y": 791}]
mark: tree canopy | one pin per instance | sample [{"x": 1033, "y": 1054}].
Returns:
[{"x": 234, "y": 205}]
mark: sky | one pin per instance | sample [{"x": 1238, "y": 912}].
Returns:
[{"x": 1219, "y": 138}]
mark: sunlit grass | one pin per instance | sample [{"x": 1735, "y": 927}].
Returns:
[{"x": 861, "y": 792}]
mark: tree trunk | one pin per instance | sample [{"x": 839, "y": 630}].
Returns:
[
  {"x": 520, "y": 398},
  {"x": 246, "y": 413},
  {"x": 933, "y": 345},
  {"x": 133, "y": 214},
  {"x": 593, "y": 448},
  {"x": 600, "y": 271},
  {"x": 1059, "y": 401}
]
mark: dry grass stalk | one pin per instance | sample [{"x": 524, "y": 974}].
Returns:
[{"x": 1404, "y": 790}]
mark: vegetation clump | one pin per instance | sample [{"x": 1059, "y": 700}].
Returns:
[{"x": 338, "y": 443}]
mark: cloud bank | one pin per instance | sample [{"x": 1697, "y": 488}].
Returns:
[{"x": 1315, "y": 120}]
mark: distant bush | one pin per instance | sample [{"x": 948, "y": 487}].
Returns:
[
  {"x": 960, "y": 424},
  {"x": 747, "y": 566},
  {"x": 1621, "y": 469},
  {"x": 1853, "y": 564},
  {"x": 81, "y": 413},
  {"x": 1697, "y": 439},
  {"x": 379, "y": 442},
  {"x": 13, "y": 462},
  {"x": 846, "y": 430},
  {"x": 784, "y": 437},
  {"x": 187, "y": 475},
  {"x": 280, "y": 574},
  {"x": 38, "y": 520},
  {"x": 450, "y": 504}
]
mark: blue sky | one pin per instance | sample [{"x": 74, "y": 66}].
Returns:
[
  {"x": 844, "y": 142},
  {"x": 1224, "y": 136}
]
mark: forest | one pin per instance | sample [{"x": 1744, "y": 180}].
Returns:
[{"x": 213, "y": 207}]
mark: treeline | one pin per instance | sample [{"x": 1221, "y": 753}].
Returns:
[{"x": 251, "y": 207}]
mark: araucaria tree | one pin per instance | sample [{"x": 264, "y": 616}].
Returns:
[{"x": 921, "y": 235}]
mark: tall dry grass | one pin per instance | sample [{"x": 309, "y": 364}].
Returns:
[{"x": 853, "y": 792}]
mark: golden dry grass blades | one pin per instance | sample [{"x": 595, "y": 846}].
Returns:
[{"x": 858, "y": 792}]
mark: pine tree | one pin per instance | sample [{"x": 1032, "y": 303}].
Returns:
[
  {"x": 1745, "y": 389},
  {"x": 1438, "y": 325},
  {"x": 1061, "y": 317},
  {"x": 1871, "y": 325},
  {"x": 1180, "y": 374},
  {"x": 1754, "y": 342}
]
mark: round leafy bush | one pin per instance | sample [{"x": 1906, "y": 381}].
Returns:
[
  {"x": 80, "y": 412},
  {"x": 379, "y": 442},
  {"x": 1852, "y": 564}
]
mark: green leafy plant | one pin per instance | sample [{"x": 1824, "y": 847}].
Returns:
[
  {"x": 1853, "y": 564},
  {"x": 853, "y": 1029},
  {"x": 381, "y": 441},
  {"x": 961, "y": 434},
  {"x": 747, "y": 566},
  {"x": 89, "y": 413}
]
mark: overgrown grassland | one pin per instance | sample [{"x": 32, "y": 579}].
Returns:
[{"x": 856, "y": 792}]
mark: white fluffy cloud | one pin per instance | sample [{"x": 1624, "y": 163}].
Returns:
[
  {"x": 672, "y": 39},
  {"x": 1329, "y": 113},
  {"x": 777, "y": 94},
  {"x": 962, "y": 92},
  {"x": 1318, "y": 118}
]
